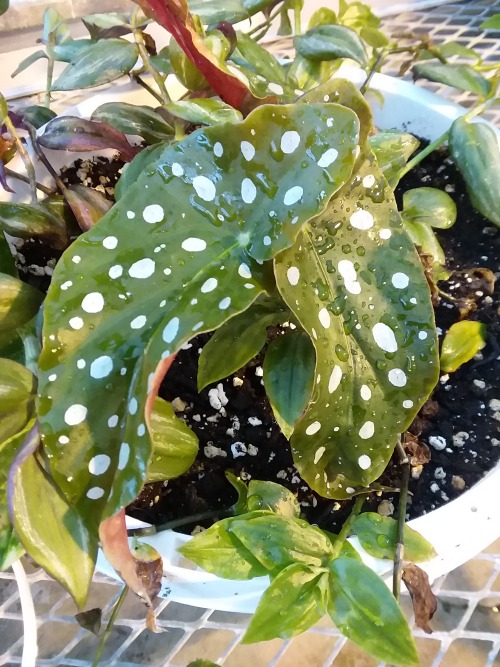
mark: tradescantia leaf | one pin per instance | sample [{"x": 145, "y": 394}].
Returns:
[
  {"x": 37, "y": 115},
  {"x": 50, "y": 529},
  {"x": 69, "y": 51},
  {"x": 365, "y": 611},
  {"x": 204, "y": 111},
  {"x": 291, "y": 605},
  {"x": 462, "y": 342},
  {"x": 328, "y": 42},
  {"x": 462, "y": 77},
  {"x": 28, "y": 221},
  {"x": 273, "y": 497},
  {"x": 176, "y": 256},
  {"x": 132, "y": 119},
  {"x": 393, "y": 150},
  {"x": 475, "y": 150},
  {"x": 115, "y": 57},
  {"x": 27, "y": 62},
  {"x": 289, "y": 376},
  {"x": 232, "y": 11},
  {"x": 249, "y": 330},
  {"x": 429, "y": 206},
  {"x": 88, "y": 205},
  {"x": 378, "y": 536},
  {"x": 175, "y": 446},
  {"x": 355, "y": 282},
  {"x": 218, "y": 551}
]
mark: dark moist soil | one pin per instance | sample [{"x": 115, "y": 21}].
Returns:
[{"x": 458, "y": 428}]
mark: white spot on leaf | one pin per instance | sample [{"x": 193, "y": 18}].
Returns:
[
  {"x": 397, "y": 377},
  {"x": 138, "y": 322},
  {"x": 335, "y": 379},
  {"x": 93, "y": 302},
  {"x": 290, "y": 141},
  {"x": 247, "y": 150},
  {"x": 293, "y": 195},
  {"x": 153, "y": 214},
  {"x": 113, "y": 421},
  {"x": 384, "y": 337},
  {"x": 313, "y": 428},
  {"x": 115, "y": 271},
  {"x": 366, "y": 431},
  {"x": 328, "y": 158},
  {"x": 177, "y": 169},
  {"x": 248, "y": 191},
  {"x": 75, "y": 414},
  {"x": 361, "y": 220},
  {"x": 400, "y": 280},
  {"x": 407, "y": 404},
  {"x": 142, "y": 269},
  {"x": 123, "y": 456},
  {"x": 171, "y": 330},
  {"x": 225, "y": 303},
  {"x": 204, "y": 187},
  {"x": 324, "y": 318},
  {"x": 366, "y": 392},
  {"x": 132, "y": 406},
  {"x": 101, "y": 367},
  {"x": 95, "y": 493},
  {"x": 193, "y": 244},
  {"x": 293, "y": 275},
  {"x": 76, "y": 323},
  {"x": 244, "y": 271},
  {"x": 218, "y": 149},
  {"x": 348, "y": 273},
  {"x": 369, "y": 181},
  {"x": 319, "y": 453},
  {"x": 99, "y": 464},
  {"x": 364, "y": 462},
  {"x": 209, "y": 285},
  {"x": 110, "y": 242}
]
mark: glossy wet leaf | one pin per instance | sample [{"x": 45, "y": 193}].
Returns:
[
  {"x": 429, "y": 206},
  {"x": 289, "y": 375},
  {"x": 88, "y": 205},
  {"x": 378, "y": 536},
  {"x": 28, "y": 221},
  {"x": 475, "y": 150},
  {"x": 365, "y": 611},
  {"x": 356, "y": 284},
  {"x": 291, "y": 605},
  {"x": 133, "y": 119},
  {"x": 204, "y": 111},
  {"x": 115, "y": 57},
  {"x": 70, "y": 133},
  {"x": 328, "y": 42},
  {"x": 491, "y": 23},
  {"x": 278, "y": 541},
  {"x": 258, "y": 59},
  {"x": 273, "y": 497},
  {"x": 142, "y": 161},
  {"x": 245, "y": 334},
  {"x": 50, "y": 529},
  {"x": 175, "y": 446},
  {"x": 424, "y": 237},
  {"x": 37, "y": 115},
  {"x": 217, "y": 550},
  {"x": 176, "y": 256},
  {"x": 462, "y": 77},
  {"x": 19, "y": 302},
  {"x": 393, "y": 150},
  {"x": 462, "y": 342},
  {"x": 27, "y": 62}
]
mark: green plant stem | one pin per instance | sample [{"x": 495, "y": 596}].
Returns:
[
  {"x": 143, "y": 52},
  {"x": 403, "y": 501},
  {"x": 375, "y": 68},
  {"x": 28, "y": 164},
  {"x": 422, "y": 155},
  {"x": 109, "y": 626},
  {"x": 20, "y": 177},
  {"x": 41, "y": 156},
  {"x": 50, "y": 70},
  {"x": 177, "y": 523},
  {"x": 297, "y": 26},
  {"x": 267, "y": 22},
  {"x": 147, "y": 87},
  {"x": 346, "y": 528}
]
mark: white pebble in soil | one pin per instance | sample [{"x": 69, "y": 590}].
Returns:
[
  {"x": 254, "y": 421},
  {"x": 437, "y": 441},
  {"x": 439, "y": 473},
  {"x": 217, "y": 397},
  {"x": 460, "y": 438},
  {"x": 211, "y": 451},
  {"x": 480, "y": 384},
  {"x": 434, "y": 487},
  {"x": 238, "y": 449},
  {"x": 178, "y": 404}
]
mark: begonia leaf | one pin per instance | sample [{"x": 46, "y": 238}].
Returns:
[
  {"x": 176, "y": 256},
  {"x": 355, "y": 282}
]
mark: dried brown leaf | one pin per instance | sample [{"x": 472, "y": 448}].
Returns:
[{"x": 423, "y": 599}]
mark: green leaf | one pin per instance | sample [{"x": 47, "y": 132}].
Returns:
[
  {"x": 273, "y": 497},
  {"x": 181, "y": 247},
  {"x": 475, "y": 150},
  {"x": 462, "y": 342},
  {"x": 142, "y": 161},
  {"x": 51, "y": 530},
  {"x": 17, "y": 386},
  {"x": 105, "y": 26},
  {"x": 253, "y": 56},
  {"x": 491, "y": 23},
  {"x": 218, "y": 551},
  {"x": 27, "y": 221},
  {"x": 69, "y": 51},
  {"x": 175, "y": 446},
  {"x": 4, "y": 6},
  {"x": 322, "y": 16},
  {"x": 100, "y": 63},
  {"x": 278, "y": 541},
  {"x": 429, "y": 206},
  {"x": 393, "y": 150},
  {"x": 233, "y": 11},
  {"x": 374, "y": 37},
  {"x": 357, "y": 286},
  {"x": 19, "y": 302},
  {"x": 161, "y": 62},
  {"x": 7, "y": 263},
  {"x": 54, "y": 28},
  {"x": 378, "y": 536},
  {"x": 328, "y": 42},
  {"x": 291, "y": 605},
  {"x": 37, "y": 115},
  {"x": 133, "y": 119},
  {"x": 455, "y": 49},
  {"x": 204, "y": 111},
  {"x": 423, "y": 236},
  {"x": 249, "y": 329},
  {"x": 357, "y": 15},
  {"x": 88, "y": 205},
  {"x": 365, "y": 611},
  {"x": 462, "y": 77},
  {"x": 240, "y": 506},
  {"x": 27, "y": 62},
  {"x": 202, "y": 663},
  {"x": 289, "y": 375},
  {"x": 307, "y": 74}
]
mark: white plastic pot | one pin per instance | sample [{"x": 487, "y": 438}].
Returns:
[{"x": 458, "y": 530}]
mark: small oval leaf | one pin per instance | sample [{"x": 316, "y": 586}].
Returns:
[
  {"x": 273, "y": 497},
  {"x": 462, "y": 342},
  {"x": 429, "y": 206},
  {"x": 27, "y": 221},
  {"x": 393, "y": 150},
  {"x": 204, "y": 111},
  {"x": 136, "y": 120},
  {"x": 328, "y": 42},
  {"x": 463, "y": 77},
  {"x": 19, "y": 302}
]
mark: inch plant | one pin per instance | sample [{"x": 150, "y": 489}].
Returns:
[{"x": 263, "y": 197}]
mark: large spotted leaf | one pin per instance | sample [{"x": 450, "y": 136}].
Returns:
[
  {"x": 356, "y": 284},
  {"x": 180, "y": 253}
]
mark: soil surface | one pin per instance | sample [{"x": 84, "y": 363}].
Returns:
[{"x": 458, "y": 429}]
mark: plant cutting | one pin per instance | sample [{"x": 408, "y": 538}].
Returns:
[{"x": 259, "y": 209}]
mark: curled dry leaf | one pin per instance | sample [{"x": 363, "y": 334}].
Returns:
[
  {"x": 423, "y": 599},
  {"x": 418, "y": 452}
]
